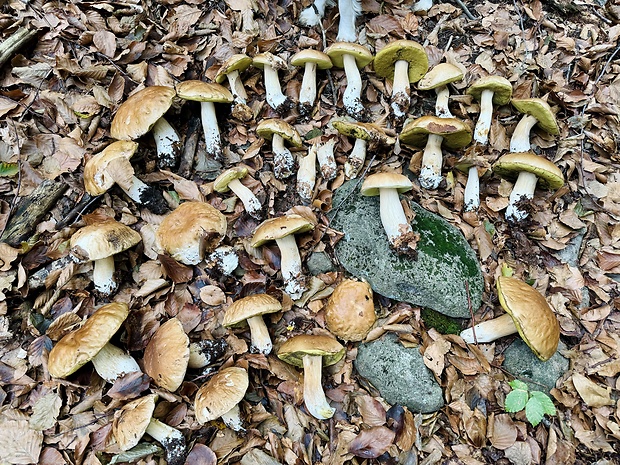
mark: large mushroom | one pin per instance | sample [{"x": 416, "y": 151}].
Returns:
[
  {"x": 271, "y": 64},
  {"x": 220, "y": 396},
  {"x": 438, "y": 78},
  {"x": 527, "y": 312},
  {"x": 144, "y": 112},
  {"x": 230, "y": 70},
  {"x": 352, "y": 57},
  {"x": 488, "y": 90},
  {"x": 350, "y": 310},
  {"x": 536, "y": 111},
  {"x": 312, "y": 353},
  {"x": 166, "y": 355},
  {"x": 278, "y": 131},
  {"x": 229, "y": 180},
  {"x": 310, "y": 60},
  {"x": 431, "y": 132},
  {"x": 404, "y": 62},
  {"x": 283, "y": 230},
  {"x": 250, "y": 310}
]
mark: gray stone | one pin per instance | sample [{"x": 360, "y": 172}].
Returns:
[
  {"x": 521, "y": 362},
  {"x": 570, "y": 253},
  {"x": 319, "y": 262},
  {"x": 399, "y": 374},
  {"x": 435, "y": 278}
]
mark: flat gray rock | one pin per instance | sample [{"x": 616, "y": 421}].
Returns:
[
  {"x": 399, "y": 374},
  {"x": 435, "y": 279},
  {"x": 319, "y": 262}
]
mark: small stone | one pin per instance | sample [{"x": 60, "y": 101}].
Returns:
[{"x": 319, "y": 262}]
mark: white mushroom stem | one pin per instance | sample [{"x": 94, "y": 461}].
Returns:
[
  {"x": 236, "y": 87},
  {"x": 312, "y": 15},
  {"x": 170, "y": 438},
  {"x": 356, "y": 160},
  {"x": 232, "y": 419},
  {"x": 349, "y": 10},
  {"x": 327, "y": 161},
  {"x": 432, "y": 159},
  {"x": 306, "y": 174},
  {"x": 112, "y": 362},
  {"x": 131, "y": 185},
  {"x": 275, "y": 97},
  {"x": 472, "y": 190},
  {"x": 213, "y": 144},
  {"x": 520, "y": 140},
  {"x": 283, "y": 161},
  {"x": 441, "y": 105},
  {"x": 261, "y": 341},
  {"x": 400, "y": 88},
  {"x": 490, "y": 330},
  {"x": 103, "y": 275},
  {"x": 351, "y": 98},
  {"x": 314, "y": 397},
  {"x": 523, "y": 189},
  {"x": 290, "y": 265},
  {"x": 250, "y": 202},
  {"x": 422, "y": 6},
  {"x": 307, "y": 94},
  {"x": 197, "y": 356},
  {"x": 393, "y": 216},
  {"x": 483, "y": 125},
  {"x": 167, "y": 141}
]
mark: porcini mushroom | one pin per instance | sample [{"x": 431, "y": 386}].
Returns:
[
  {"x": 488, "y": 90},
  {"x": 351, "y": 57},
  {"x": 404, "y": 62},
  {"x": 99, "y": 242},
  {"x": 230, "y": 180},
  {"x": 251, "y": 309},
  {"x": 536, "y": 111},
  {"x": 143, "y": 112},
  {"x": 349, "y": 10},
  {"x": 310, "y": 60},
  {"x": 527, "y": 312},
  {"x": 271, "y": 64},
  {"x": 350, "y": 310},
  {"x": 230, "y": 70},
  {"x": 312, "y": 353},
  {"x": 431, "y": 132},
  {"x": 277, "y": 131},
  {"x": 283, "y": 230},
  {"x": 112, "y": 362},
  {"x": 438, "y": 78},
  {"x": 306, "y": 174},
  {"x": 205, "y": 352},
  {"x": 166, "y": 355}
]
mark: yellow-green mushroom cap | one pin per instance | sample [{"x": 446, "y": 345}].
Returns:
[
  {"x": 510, "y": 165},
  {"x": 309, "y": 55},
  {"x": 277, "y": 228},
  {"x": 337, "y": 50},
  {"x": 539, "y": 109},
  {"x": 221, "y": 182},
  {"x": 456, "y": 134},
  {"x": 441, "y": 75},
  {"x": 407, "y": 50},
  {"x": 238, "y": 62},
  {"x": 501, "y": 87},
  {"x": 365, "y": 131},
  {"x": 295, "y": 348},
  {"x": 268, "y": 127},
  {"x": 200, "y": 91},
  {"x": 268, "y": 58},
  {"x": 373, "y": 184}
]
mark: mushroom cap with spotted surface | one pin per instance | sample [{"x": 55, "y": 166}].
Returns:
[
  {"x": 220, "y": 394},
  {"x": 137, "y": 115}
]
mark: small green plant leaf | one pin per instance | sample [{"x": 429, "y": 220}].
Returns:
[
  {"x": 534, "y": 411},
  {"x": 8, "y": 170},
  {"x": 545, "y": 401},
  {"x": 516, "y": 384},
  {"x": 515, "y": 400}
]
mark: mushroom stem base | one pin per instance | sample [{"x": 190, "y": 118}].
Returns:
[
  {"x": 103, "y": 275},
  {"x": 283, "y": 161},
  {"x": 472, "y": 190},
  {"x": 490, "y": 330},
  {"x": 168, "y": 143},
  {"x": 356, "y": 160},
  {"x": 314, "y": 397},
  {"x": 432, "y": 159},
  {"x": 290, "y": 265},
  {"x": 401, "y": 88},
  {"x": 481, "y": 132},
  {"x": 232, "y": 419},
  {"x": 523, "y": 189},
  {"x": 351, "y": 98}
]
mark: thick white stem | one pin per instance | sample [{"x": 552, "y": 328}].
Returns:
[
  {"x": 432, "y": 159},
  {"x": 520, "y": 140},
  {"x": 275, "y": 97},
  {"x": 283, "y": 161},
  {"x": 261, "y": 341},
  {"x": 213, "y": 144},
  {"x": 310, "y": 17},
  {"x": 523, "y": 189},
  {"x": 441, "y": 105},
  {"x": 306, "y": 174},
  {"x": 327, "y": 162},
  {"x": 232, "y": 419},
  {"x": 112, "y": 362},
  {"x": 314, "y": 397},
  {"x": 400, "y": 88},
  {"x": 135, "y": 189},
  {"x": 472, "y": 190},
  {"x": 236, "y": 87},
  {"x": 490, "y": 330},
  {"x": 351, "y": 98},
  {"x": 349, "y": 11},
  {"x": 290, "y": 265},
  {"x": 250, "y": 202},
  {"x": 103, "y": 275},
  {"x": 356, "y": 160},
  {"x": 307, "y": 94},
  {"x": 393, "y": 217},
  {"x": 483, "y": 126},
  {"x": 170, "y": 438},
  {"x": 168, "y": 143}
]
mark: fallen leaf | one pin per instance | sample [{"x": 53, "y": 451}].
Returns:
[
  {"x": 591, "y": 393},
  {"x": 372, "y": 442}
]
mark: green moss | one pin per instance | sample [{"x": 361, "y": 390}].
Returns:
[{"x": 442, "y": 323}]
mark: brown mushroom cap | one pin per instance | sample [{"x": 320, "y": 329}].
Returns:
[
  {"x": 221, "y": 182},
  {"x": 295, "y": 348},
  {"x": 137, "y": 115},
  {"x": 270, "y": 59},
  {"x": 277, "y": 228},
  {"x": 167, "y": 354},
  {"x": 440, "y": 75},
  {"x": 511, "y": 164},
  {"x": 268, "y": 127},
  {"x": 455, "y": 132},
  {"x": 131, "y": 421},
  {"x": 365, "y": 131},
  {"x": 238, "y": 62},
  {"x": 337, "y": 50},
  {"x": 103, "y": 239},
  {"x": 97, "y": 181},
  {"x": 220, "y": 394},
  {"x": 350, "y": 311},
  {"x": 534, "y": 319},
  {"x": 540, "y": 110},
  {"x": 309, "y": 55},
  {"x": 200, "y": 91},
  {"x": 386, "y": 180},
  {"x": 407, "y": 50},
  {"x": 252, "y": 305},
  {"x": 501, "y": 87},
  {"x": 79, "y": 347}
]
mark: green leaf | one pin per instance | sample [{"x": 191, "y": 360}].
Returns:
[
  {"x": 534, "y": 411},
  {"x": 545, "y": 401},
  {"x": 8, "y": 170},
  {"x": 313, "y": 133},
  {"x": 516, "y": 384},
  {"x": 489, "y": 227},
  {"x": 515, "y": 401}
]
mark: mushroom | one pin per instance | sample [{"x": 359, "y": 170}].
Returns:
[
  {"x": 350, "y": 311},
  {"x": 404, "y": 62},
  {"x": 99, "y": 242},
  {"x": 313, "y": 352},
  {"x": 537, "y": 111},
  {"x": 229, "y": 180},
  {"x": 166, "y": 355},
  {"x": 112, "y": 362},
  {"x": 206, "y": 352},
  {"x": 438, "y": 78},
  {"x": 190, "y": 231},
  {"x": 207, "y": 94},
  {"x": 220, "y": 396},
  {"x": 527, "y": 312},
  {"x": 474, "y": 167},
  {"x": 387, "y": 186},
  {"x": 327, "y": 162},
  {"x": 111, "y": 166},
  {"x": 283, "y": 230},
  {"x": 278, "y": 130},
  {"x": 310, "y": 60},
  {"x": 144, "y": 111},
  {"x": 351, "y": 57},
  {"x": 251, "y": 309},
  {"x": 349, "y": 10},
  {"x": 271, "y": 64},
  {"x": 363, "y": 134},
  {"x": 488, "y": 90},
  {"x": 230, "y": 70},
  {"x": 312, "y": 15},
  {"x": 306, "y": 174},
  {"x": 529, "y": 170},
  {"x": 431, "y": 132}
]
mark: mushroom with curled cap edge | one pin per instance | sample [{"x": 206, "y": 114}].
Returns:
[
  {"x": 438, "y": 78},
  {"x": 229, "y": 180},
  {"x": 99, "y": 242},
  {"x": 166, "y": 355},
  {"x": 271, "y": 64},
  {"x": 230, "y": 70},
  {"x": 527, "y": 312},
  {"x": 191, "y": 230},
  {"x": 310, "y": 60},
  {"x": 207, "y": 94},
  {"x": 313, "y": 352},
  {"x": 250, "y": 310},
  {"x": 278, "y": 131},
  {"x": 536, "y": 111},
  {"x": 431, "y": 132},
  {"x": 350, "y": 310},
  {"x": 351, "y": 57},
  {"x": 144, "y": 112},
  {"x": 283, "y": 230},
  {"x": 404, "y": 62},
  {"x": 220, "y": 396},
  {"x": 488, "y": 90}
]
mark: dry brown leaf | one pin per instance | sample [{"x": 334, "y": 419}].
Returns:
[
  {"x": 502, "y": 431},
  {"x": 372, "y": 442},
  {"x": 372, "y": 411},
  {"x": 434, "y": 356},
  {"x": 592, "y": 394}
]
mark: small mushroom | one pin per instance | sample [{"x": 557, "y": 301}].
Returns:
[
  {"x": 230, "y": 70},
  {"x": 351, "y": 57},
  {"x": 251, "y": 309},
  {"x": 112, "y": 362},
  {"x": 349, "y": 10},
  {"x": 313, "y": 352},
  {"x": 207, "y": 94},
  {"x": 350, "y": 310},
  {"x": 310, "y": 60},
  {"x": 166, "y": 355},
  {"x": 220, "y": 396},
  {"x": 99, "y": 242},
  {"x": 536, "y": 111},
  {"x": 404, "y": 62},
  {"x": 278, "y": 130},
  {"x": 431, "y": 132},
  {"x": 271, "y": 64},
  {"x": 306, "y": 174},
  {"x": 283, "y": 230},
  {"x": 143, "y": 112},
  {"x": 229, "y": 180},
  {"x": 438, "y": 78},
  {"x": 474, "y": 167},
  {"x": 488, "y": 90},
  {"x": 527, "y": 312},
  {"x": 326, "y": 159}
]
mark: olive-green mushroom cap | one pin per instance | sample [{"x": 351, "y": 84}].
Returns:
[
  {"x": 295, "y": 348},
  {"x": 309, "y": 55},
  {"x": 337, "y": 50},
  {"x": 510, "y": 165},
  {"x": 268, "y": 127},
  {"x": 540, "y": 110},
  {"x": 501, "y": 87},
  {"x": 221, "y": 182},
  {"x": 456, "y": 134},
  {"x": 237, "y": 62},
  {"x": 407, "y": 50},
  {"x": 277, "y": 228},
  {"x": 200, "y": 91},
  {"x": 365, "y": 131}
]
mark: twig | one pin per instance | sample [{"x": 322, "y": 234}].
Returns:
[
  {"x": 465, "y": 10},
  {"x": 19, "y": 176},
  {"x": 600, "y": 16},
  {"x": 78, "y": 210},
  {"x": 435, "y": 30},
  {"x": 15, "y": 42}
]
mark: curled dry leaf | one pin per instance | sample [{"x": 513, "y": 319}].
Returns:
[
  {"x": 372, "y": 442},
  {"x": 592, "y": 394}
]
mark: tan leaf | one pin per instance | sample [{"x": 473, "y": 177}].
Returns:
[
  {"x": 372, "y": 411},
  {"x": 45, "y": 411},
  {"x": 212, "y": 295},
  {"x": 591, "y": 393},
  {"x": 502, "y": 431},
  {"x": 519, "y": 453},
  {"x": 484, "y": 241},
  {"x": 19, "y": 444},
  {"x": 7, "y": 255},
  {"x": 105, "y": 42},
  {"x": 434, "y": 356},
  {"x": 6, "y": 105},
  {"x": 372, "y": 442}
]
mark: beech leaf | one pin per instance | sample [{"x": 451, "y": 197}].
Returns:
[{"x": 372, "y": 443}]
